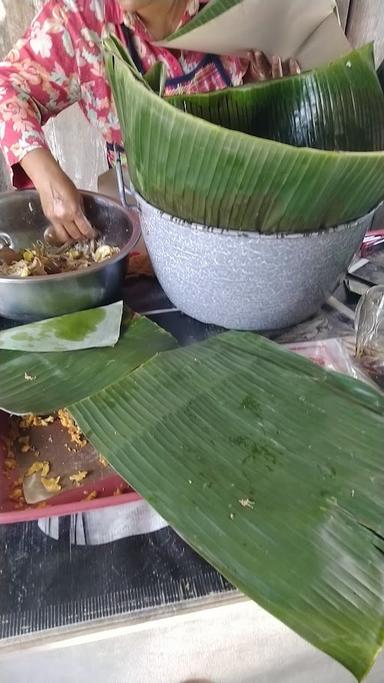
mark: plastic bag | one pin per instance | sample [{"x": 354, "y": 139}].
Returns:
[
  {"x": 332, "y": 354},
  {"x": 369, "y": 325}
]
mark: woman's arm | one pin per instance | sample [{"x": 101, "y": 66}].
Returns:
[{"x": 39, "y": 78}]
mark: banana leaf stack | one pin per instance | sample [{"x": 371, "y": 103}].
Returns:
[{"x": 296, "y": 155}]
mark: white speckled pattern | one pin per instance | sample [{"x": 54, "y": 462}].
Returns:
[{"x": 246, "y": 280}]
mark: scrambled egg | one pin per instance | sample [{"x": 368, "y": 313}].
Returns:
[
  {"x": 51, "y": 485},
  {"x": 42, "y": 467},
  {"x": 78, "y": 477}
]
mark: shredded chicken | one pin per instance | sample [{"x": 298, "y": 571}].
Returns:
[{"x": 44, "y": 259}]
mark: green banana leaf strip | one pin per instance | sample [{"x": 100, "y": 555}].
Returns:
[
  {"x": 40, "y": 383},
  {"x": 156, "y": 78},
  {"x": 336, "y": 107},
  {"x": 207, "y": 174},
  {"x": 272, "y": 469},
  {"x": 380, "y": 75},
  {"x": 95, "y": 327}
]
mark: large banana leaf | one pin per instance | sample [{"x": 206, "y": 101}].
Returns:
[
  {"x": 43, "y": 382},
  {"x": 338, "y": 107},
  {"x": 204, "y": 173},
  {"x": 270, "y": 467}
]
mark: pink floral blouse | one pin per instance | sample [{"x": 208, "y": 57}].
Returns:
[{"x": 59, "y": 62}]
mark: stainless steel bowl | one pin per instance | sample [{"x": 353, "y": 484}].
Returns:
[{"x": 22, "y": 223}]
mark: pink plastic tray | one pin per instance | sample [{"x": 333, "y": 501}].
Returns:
[{"x": 67, "y": 502}]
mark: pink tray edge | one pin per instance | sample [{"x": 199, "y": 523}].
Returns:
[{"x": 34, "y": 514}]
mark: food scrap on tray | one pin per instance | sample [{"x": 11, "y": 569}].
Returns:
[
  {"x": 51, "y": 485},
  {"x": 39, "y": 463},
  {"x": 44, "y": 259},
  {"x": 43, "y": 458},
  {"x": 38, "y": 467},
  {"x": 90, "y": 496},
  {"x": 35, "y": 421},
  {"x": 73, "y": 430},
  {"x": 78, "y": 477}
]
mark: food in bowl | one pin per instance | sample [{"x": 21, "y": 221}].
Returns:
[{"x": 45, "y": 259}]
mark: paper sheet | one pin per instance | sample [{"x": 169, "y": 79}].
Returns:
[{"x": 306, "y": 29}]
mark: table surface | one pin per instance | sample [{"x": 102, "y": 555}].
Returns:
[{"x": 50, "y": 585}]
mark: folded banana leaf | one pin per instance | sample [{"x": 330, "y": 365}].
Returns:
[
  {"x": 93, "y": 328},
  {"x": 338, "y": 107},
  {"x": 211, "y": 175},
  {"x": 268, "y": 466},
  {"x": 43, "y": 382}
]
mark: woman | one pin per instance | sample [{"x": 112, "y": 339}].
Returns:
[{"x": 59, "y": 62}]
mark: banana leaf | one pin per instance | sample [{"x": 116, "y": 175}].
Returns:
[
  {"x": 41, "y": 383},
  {"x": 211, "y": 175},
  {"x": 95, "y": 327},
  {"x": 156, "y": 78},
  {"x": 270, "y": 467},
  {"x": 338, "y": 107}
]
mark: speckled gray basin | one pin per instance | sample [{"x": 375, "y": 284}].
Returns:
[{"x": 246, "y": 280}]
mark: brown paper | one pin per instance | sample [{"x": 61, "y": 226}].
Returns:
[
  {"x": 306, "y": 29},
  {"x": 327, "y": 43}
]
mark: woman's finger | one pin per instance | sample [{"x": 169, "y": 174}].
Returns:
[
  {"x": 84, "y": 227},
  {"x": 261, "y": 69},
  {"x": 263, "y": 66},
  {"x": 294, "y": 67},
  {"x": 60, "y": 233},
  {"x": 73, "y": 231},
  {"x": 277, "y": 67}
]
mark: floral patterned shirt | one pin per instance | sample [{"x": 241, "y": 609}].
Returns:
[{"x": 59, "y": 62}]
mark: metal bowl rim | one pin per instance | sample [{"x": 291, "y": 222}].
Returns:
[
  {"x": 123, "y": 253},
  {"x": 253, "y": 233}
]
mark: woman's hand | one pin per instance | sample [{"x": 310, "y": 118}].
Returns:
[
  {"x": 60, "y": 199},
  {"x": 263, "y": 69}
]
